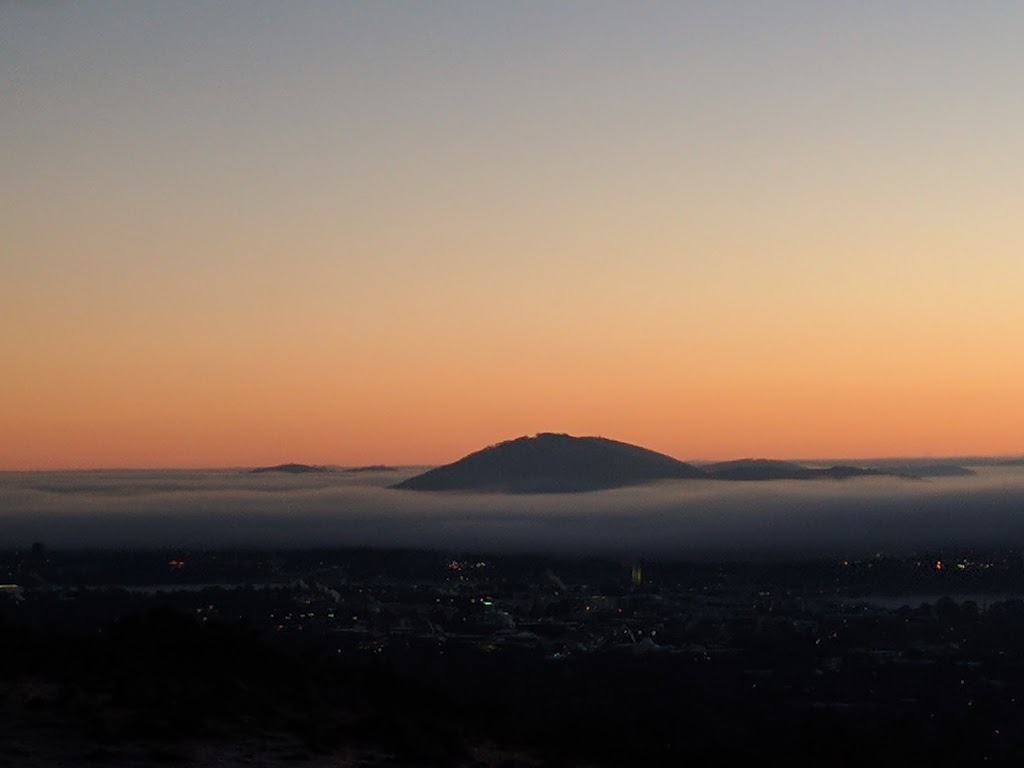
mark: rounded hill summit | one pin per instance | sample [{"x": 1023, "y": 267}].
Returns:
[{"x": 552, "y": 463}]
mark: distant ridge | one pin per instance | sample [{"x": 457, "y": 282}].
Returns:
[
  {"x": 372, "y": 468},
  {"x": 770, "y": 469},
  {"x": 923, "y": 468},
  {"x": 291, "y": 469},
  {"x": 552, "y": 463},
  {"x": 559, "y": 463}
]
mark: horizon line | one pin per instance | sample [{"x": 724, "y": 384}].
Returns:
[{"x": 965, "y": 458}]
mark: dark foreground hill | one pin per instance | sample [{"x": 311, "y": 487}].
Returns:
[{"x": 552, "y": 463}]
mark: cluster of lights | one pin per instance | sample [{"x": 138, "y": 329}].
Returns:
[{"x": 455, "y": 565}]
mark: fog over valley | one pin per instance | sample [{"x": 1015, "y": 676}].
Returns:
[{"x": 689, "y": 518}]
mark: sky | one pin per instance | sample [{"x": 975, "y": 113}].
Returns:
[{"x": 243, "y": 233}]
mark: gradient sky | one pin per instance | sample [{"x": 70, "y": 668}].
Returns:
[{"x": 248, "y": 232}]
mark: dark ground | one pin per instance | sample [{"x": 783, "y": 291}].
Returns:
[{"x": 741, "y": 662}]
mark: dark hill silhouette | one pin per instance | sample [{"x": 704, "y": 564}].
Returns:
[
  {"x": 920, "y": 469},
  {"x": 292, "y": 469},
  {"x": 552, "y": 463},
  {"x": 842, "y": 472},
  {"x": 930, "y": 470},
  {"x": 770, "y": 469},
  {"x": 373, "y": 468},
  {"x": 753, "y": 469}
]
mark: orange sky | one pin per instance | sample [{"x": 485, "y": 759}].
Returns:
[{"x": 359, "y": 234}]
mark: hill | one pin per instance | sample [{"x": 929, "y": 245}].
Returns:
[
  {"x": 770, "y": 469},
  {"x": 291, "y": 469},
  {"x": 923, "y": 468},
  {"x": 552, "y": 463}
]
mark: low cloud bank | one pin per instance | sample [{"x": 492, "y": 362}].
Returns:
[{"x": 686, "y": 518}]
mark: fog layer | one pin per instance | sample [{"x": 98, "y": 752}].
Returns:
[{"x": 208, "y": 509}]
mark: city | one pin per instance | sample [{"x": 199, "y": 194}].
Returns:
[{"x": 510, "y": 660}]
